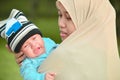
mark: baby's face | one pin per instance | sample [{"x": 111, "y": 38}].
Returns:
[{"x": 34, "y": 46}]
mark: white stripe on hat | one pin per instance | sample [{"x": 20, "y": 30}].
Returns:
[{"x": 3, "y": 34}]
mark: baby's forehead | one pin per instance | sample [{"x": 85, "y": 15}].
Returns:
[{"x": 33, "y": 37}]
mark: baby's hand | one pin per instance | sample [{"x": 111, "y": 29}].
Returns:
[{"x": 50, "y": 76}]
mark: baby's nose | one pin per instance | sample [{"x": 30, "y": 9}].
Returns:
[{"x": 32, "y": 43}]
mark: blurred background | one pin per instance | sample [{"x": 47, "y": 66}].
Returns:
[{"x": 44, "y": 14}]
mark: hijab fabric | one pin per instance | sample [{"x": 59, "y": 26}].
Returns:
[{"x": 90, "y": 52}]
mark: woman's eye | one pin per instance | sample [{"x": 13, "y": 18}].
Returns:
[
  {"x": 68, "y": 18},
  {"x": 60, "y": 15}
]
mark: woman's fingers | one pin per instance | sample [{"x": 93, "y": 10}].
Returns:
[
  {"x": 19, "y": 58},
  {"x": 17, "y": 55}
]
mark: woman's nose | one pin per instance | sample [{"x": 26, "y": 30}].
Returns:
[{"x": 62, "y": 22}]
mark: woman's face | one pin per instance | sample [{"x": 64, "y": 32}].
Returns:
[{"x": 65, "y": 22}]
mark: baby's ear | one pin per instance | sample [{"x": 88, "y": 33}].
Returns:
[{"x": 9, "y": 49}]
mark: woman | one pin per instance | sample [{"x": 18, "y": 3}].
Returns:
[
  {"x": 89, "y": 47},
  {"x": 90, "y": 52}
]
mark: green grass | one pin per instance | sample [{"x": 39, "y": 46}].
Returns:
[{"x": 9, "y": 70}]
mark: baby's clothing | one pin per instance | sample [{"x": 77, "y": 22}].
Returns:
[{"x": 29, "y": 67}]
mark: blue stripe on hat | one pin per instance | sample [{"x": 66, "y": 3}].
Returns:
[{"x": 15, "y": 26}]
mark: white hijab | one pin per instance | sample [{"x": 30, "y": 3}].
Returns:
[{"x": 89, "y": 53}]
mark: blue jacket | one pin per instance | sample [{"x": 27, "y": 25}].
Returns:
[{"x": 29, "y": 67}]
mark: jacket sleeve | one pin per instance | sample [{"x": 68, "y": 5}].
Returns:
[{"x": 29, "y": 71}]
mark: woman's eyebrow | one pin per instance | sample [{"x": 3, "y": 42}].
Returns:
[
  {"x": 66, "y": 12},
  {"x": 63, "y": 11}
]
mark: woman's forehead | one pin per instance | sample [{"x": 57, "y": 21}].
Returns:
[{"x": 60, "y": 6}]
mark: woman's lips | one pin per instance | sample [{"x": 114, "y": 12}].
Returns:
[{"x": 63, "y": 34}]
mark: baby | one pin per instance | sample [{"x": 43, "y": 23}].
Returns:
[{"x": 23, "y": 36}]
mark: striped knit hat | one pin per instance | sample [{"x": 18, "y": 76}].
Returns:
[{"x": 17, "y": 30}]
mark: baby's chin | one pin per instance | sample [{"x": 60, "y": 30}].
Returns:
[{"x": 33, "y": 56}]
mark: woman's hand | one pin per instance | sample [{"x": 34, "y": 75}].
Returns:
[
  {"x": 50, "y": 76},
  {"x": 18, "y": 56}
]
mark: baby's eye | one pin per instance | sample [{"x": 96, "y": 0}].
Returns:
[
  {"x": 26, "y": 46},
  {"x": 34, "y": 38}
]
